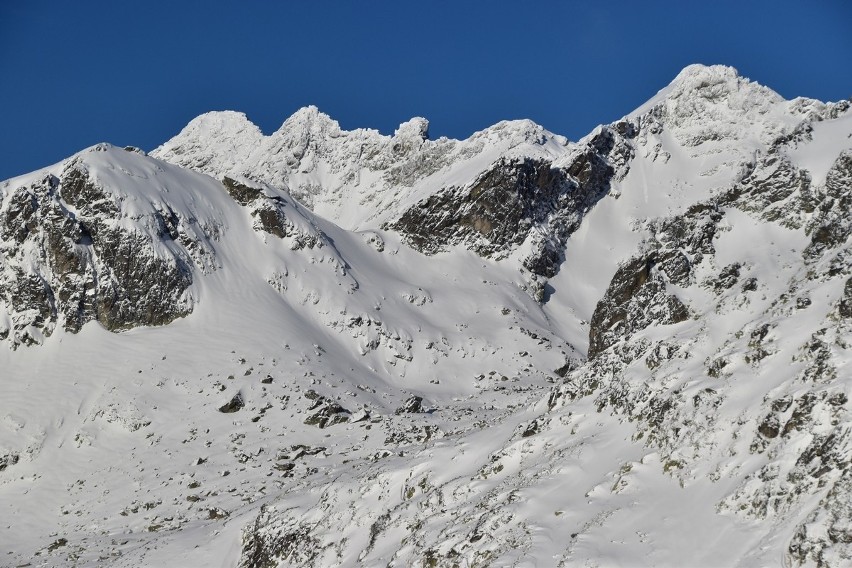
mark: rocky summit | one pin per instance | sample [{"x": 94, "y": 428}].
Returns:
[{"x": 322, "y": 347}]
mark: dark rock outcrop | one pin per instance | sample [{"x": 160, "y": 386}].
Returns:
[
  {"x": 242, "y": 193},
  {"x": 67, "y": 259},
  {"x": 272, "y": 213},
  {"x": 845, "y": 307},
  {"x": 495, "y": 211},
  {"x": 233, "y": 405},
  {"x": 7, "y": 460},
  {"x": 831, "y": 224},
  {"x": 635, "y": 299},
  {"x": 637, "y": 296},
  {"x": 412, "y": 405},
  {"x": 516, "y": 199},
  {"x": 324, "y": 411},
  {"x": 273, "y": 539}
]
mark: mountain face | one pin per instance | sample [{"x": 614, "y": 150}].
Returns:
[
  {"x": 332, "y": 348},
  {"x": 80, "y": 244}
]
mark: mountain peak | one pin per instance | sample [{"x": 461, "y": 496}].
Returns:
[
  {"x": 311, "y": 118},
  {"x": 713, "y": 84},
  {"x": 716, "y": 104},
  {"x": 416, "y": 128},
  {"x": 704, "y": 72},
  {"x": 221, "y": 122},
  {"x": 223, "y": 138},
  {"x": 718, "y": 83},
  {"x": 519, "y": 132}
]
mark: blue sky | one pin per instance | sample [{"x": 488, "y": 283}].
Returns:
[{"x": 134, "y": 73}]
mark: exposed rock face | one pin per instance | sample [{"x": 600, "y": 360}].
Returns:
[
  {"x": 495, "y": 212},
  {"x": 67, "y": 259},
  {"x": 831, "y": 224},
  {"x": 519, "y": 199},
  {"x": 234, "y": 405},
  {"x": 412, "y": 405},
  {"x": 243, "y": 193},
  {"x": 635, "y": 299},
  {"x": 273, "y": 213},
  {"x": 270, "y": 541},
  {"x": 845, "y": 307},
  {"x": 638, "y": 296},
  {"x": 325, "y": 412},
  {"x": 813, "y": 544},
  {"x": 7, "y": 460},
  {"x": 777, "y": 190}
]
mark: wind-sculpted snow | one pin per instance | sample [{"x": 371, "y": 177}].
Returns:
[{"x": 350, "y": 349}]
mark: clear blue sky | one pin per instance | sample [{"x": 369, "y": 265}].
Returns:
[{"x": 134, "y": 73}]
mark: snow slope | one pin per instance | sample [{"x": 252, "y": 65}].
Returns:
[{"x": 303, "y": 388}]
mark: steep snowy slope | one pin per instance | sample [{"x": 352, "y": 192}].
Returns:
[{"x": 509, "y": 350}]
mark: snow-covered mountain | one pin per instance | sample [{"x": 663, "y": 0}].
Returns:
[{"x": 331, "y": 348}]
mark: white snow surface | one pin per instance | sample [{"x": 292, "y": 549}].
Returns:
[{"x": 123, "y": 458}]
